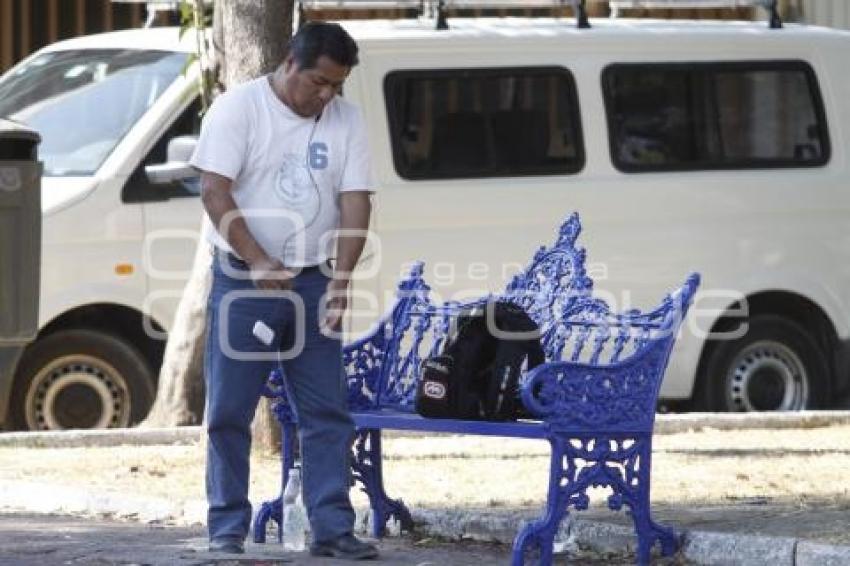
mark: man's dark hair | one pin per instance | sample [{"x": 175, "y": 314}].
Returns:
[{"x": 315, "y": 39}]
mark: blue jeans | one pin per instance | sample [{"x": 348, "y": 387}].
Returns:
[{"x": 316, "y": 383}]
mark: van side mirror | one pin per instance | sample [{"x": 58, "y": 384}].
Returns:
[{"x": 177, "y": 167}]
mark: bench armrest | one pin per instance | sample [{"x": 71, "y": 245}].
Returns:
[{"x": 582, "y": 396}]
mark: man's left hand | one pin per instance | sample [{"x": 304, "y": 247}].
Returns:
[{"x": 336, "y": 301}]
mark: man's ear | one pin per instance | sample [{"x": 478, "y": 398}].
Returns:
[{"x": 288, "y": 63}]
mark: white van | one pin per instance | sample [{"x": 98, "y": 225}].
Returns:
[
  {"x": 719, "y": 147},
  {"x": 106, "y": 106}
]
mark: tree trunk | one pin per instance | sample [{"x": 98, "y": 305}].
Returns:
[
  {"x": 249, "y": 39},
  {"x": 252, "y": 35},
  {"x": 180, "y": 390}
]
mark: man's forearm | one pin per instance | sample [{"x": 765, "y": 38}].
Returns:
[
  {"x": 355, "y": 210},
  {"x": 229, "y": 222}
]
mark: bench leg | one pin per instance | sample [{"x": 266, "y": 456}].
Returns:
[
  {"x": 269, "y": 510},
  {"x": 621, "y": 463},
  {"x": 648, "y": 531},
  {"x": 273, "y": 510},
  {"x": 367, "y": 466},
  {"x": 541, "y": 533}
]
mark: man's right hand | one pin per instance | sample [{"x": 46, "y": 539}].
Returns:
[{"x": 270, "y": 274}]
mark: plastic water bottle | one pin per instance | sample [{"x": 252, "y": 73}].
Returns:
[{"x": 295, "y": 523}]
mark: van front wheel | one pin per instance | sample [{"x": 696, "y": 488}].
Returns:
[
  {"x": 775, "y": 366},
  {"x": 76, "y": 379}
]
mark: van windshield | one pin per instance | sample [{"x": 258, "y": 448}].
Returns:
[{"x": 83, "y": 102}]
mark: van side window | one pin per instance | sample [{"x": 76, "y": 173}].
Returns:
[
  {"x": 703, "y": 116},
  {"x": 500, "y": 122},
  {"x": 139, "y": 189}
]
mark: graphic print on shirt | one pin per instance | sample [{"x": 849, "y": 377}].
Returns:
[{"x": 296, "y": 190}]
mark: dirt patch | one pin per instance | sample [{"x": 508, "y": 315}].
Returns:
[{"x": 781, "y": 472}]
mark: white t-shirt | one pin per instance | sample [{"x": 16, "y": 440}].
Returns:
[{"x": 287, "y": 171}]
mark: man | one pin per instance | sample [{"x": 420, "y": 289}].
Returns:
[{"x": 284, "y": 163}]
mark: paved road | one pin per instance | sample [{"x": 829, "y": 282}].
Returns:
[{"x": 48, "y": 540}]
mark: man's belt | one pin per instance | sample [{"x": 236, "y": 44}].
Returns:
[{"x": 239, "y": 263}]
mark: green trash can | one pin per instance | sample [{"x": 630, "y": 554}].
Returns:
[{"x": 20, "y": 248}]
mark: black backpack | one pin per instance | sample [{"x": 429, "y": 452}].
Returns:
[{"x": 477, "y": 374}]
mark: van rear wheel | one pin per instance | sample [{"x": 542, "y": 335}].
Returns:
[
  {"x": 77, "y": 379},
  {"x": 775, "y": 366}
]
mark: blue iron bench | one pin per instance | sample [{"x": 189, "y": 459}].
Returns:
[{"x": 594, "y": 399}]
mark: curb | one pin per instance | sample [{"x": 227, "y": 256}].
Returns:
[
  {"x": 753, "y": 550},
  {"x": 50, "y": 498},
  {"x": 816, "y": 554},
  {"x": 664, "y": 424},
  {"x": 683, "y": 422},
  {"x": 101, "y": 437},
  {"x": 699, "y": 547}
]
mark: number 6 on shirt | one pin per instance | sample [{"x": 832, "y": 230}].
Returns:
[{"x": 318, "y": 155}]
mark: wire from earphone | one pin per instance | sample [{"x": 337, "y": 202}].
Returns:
[{"x": 314, "y": 184}]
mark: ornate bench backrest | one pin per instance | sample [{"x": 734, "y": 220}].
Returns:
[
  {"x": 555, "y": 280},
  {"x": 554, "y": 287},
  {"x": 556, "y": 292},
  {"x": 622, "y": 361},
  {"x": 383, "y": 369}
]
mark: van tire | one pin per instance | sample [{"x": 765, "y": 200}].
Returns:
[
  {"x": 81, "y": 378},
  {"x": 775, "y": 366}
]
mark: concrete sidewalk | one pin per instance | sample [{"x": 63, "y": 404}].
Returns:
[
  {"x": 747, "y": 531},
  {"x": 50, "y": 540},
  {"x": 747, "y": 534}
]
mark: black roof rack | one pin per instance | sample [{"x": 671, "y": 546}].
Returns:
[
  {"x": 438, "y": 9},
  {"x": 580, "y": 10},
  {"x": 772, "y": 6}
]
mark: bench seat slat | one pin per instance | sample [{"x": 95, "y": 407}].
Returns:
[{"x": 397, "y": 420}]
